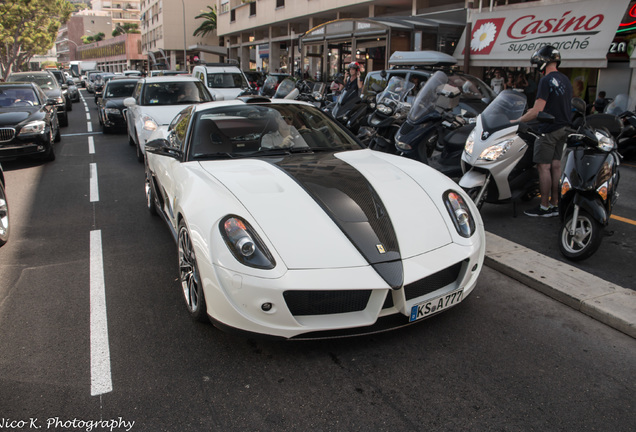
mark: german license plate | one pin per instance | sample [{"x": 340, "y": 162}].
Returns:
[{"x": 424, "y": 309}]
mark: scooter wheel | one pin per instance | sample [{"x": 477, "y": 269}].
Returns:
[
  {"x": 473, "y": 193},
  {"x": 586, "y": 239}
]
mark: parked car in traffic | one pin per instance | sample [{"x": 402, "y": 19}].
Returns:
[
  {"x": 48, "y": 83},
  {"x": 62, "y": 81},
  {"x": 223, "y": 81},
  {"x": 286, "y": 227},
  {"x": 155, "y": 102},
  {"x": 4, "y": 211},
  {"x": 110, "y": 106},
  {"x": 73, "y": 91},
  {"x": 100, "y": 81},
  {"x": 28, "y": 121}
]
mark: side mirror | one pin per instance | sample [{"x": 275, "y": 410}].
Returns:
[
  {"x": 162, "y": 147},
  {"x": 130, "y": 101},
  {"x": 51, "y": 102}
]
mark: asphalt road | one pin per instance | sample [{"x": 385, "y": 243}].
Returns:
[{"x": 507, "y": 358}]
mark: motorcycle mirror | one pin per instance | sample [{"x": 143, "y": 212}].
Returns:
[
  {"x": 579, "y": 105},
  {"x": 383, "y": 73}
]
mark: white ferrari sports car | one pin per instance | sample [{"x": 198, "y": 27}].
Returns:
[{"x": 286, "y": 227}]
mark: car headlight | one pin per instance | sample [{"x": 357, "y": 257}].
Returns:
[
  {"x": 470, "y": 142},
  {"x": 33, "y": 128},
  {"x": 245, "y": 244},
  {"x": 605, "y": 143},
  {"x": 459, "y": 213},
  {"x": 494, "y": 152},
  {"x": 114, "y": 111},
  {"x": 149, "y": 123}
]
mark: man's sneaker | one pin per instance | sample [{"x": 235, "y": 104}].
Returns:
[
  {"x": 539, "y": 211},
  {"x": 554, "y": 209}
]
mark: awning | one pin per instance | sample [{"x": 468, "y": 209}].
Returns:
[
  {"x": 582, "y": 31},
  {"x": 212, "y": 49},
  {"x": 377, "y": 26}
]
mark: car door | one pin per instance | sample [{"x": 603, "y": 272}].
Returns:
[
  {"x": 133, "y": 111},
  {"x": 167, "y": 169}
]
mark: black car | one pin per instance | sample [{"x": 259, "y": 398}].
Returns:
[
  {"x": 100, "y": 82},
  {"x": 111, "y": 104},
  {"x": 4, "y": 211},
  {"x": 61, "y": 80},
  {"x": 28, "y": 124},
  {"x": 51, "y": 87}
]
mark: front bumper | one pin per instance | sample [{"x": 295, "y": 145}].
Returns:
[{"x": 309, "y": 304}]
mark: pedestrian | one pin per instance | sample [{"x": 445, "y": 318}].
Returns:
[
  {"x": 600, "y": 103},
  {"x": 554, "y": 96},
  {"x": 497, "y": 83},
  {"x": 352, "y": 77}
]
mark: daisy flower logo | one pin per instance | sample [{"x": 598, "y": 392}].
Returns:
[{"x": 485, "y": 34}]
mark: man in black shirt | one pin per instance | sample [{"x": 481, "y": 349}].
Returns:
[{"x": 554, "y": 96}]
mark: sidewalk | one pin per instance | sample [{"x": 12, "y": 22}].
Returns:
[{"x": 606, "y": 302}]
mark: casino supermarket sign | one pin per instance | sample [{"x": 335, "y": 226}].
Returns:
[{"x": 582, "y": 31}]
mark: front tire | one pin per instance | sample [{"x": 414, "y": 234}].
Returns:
[
  {"x": 586, "y": 239},
  {"x": 191, "y": 285},
  {"x": 473, "y": 193},
  {"x": 4, "y": 217},
  {"x": 151, "y": 197}
]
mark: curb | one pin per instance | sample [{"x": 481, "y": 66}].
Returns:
[{"x": 608, "y": 303}]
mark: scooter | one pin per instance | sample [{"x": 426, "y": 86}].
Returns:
[
  {"x": 433, "y": 132},
  {"x": 390, "y": 112},
  {"x": 589, "y": 184},
  {"x": 497, "y": 159}
]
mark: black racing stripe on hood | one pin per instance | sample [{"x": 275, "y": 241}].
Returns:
[{"x": 352, "y": 203}]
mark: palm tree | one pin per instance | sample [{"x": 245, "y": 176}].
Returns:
[{"x": 207, "y": 26}]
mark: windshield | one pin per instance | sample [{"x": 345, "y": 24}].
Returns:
[
  {"x": 116, "y": 89},
  {"x": 17, "y": 97},
  {"x": 427, "y": 97},
  {"x": 285, "y": 88},
  {"x": 395, "y": 91},
  {"x": 226, "y": 80},
  {"x": 508, "y": 106},
  {"x": 619, "y": 105},
  {"x": 253, "y": 130},
  {"x": 45, "y": 81},
  {"x": 175, "y": 93}
]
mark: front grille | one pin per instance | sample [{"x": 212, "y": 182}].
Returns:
[
  {"x": 6, "y": 134},
  {"x": 326, "y": 302},
  {"x": 433, "y": 282}
]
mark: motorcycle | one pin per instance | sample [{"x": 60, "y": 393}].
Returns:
[
  {"x": 589, "y": 183},
  {"x": 497, "y": 159},
  {"x": 620, "y": 107},
  {"x": 390, "y": 112},
  {"x": 433, "y": 132},
  {"x": 287, "y": 90},
  {"x": 315, "y": 94}
]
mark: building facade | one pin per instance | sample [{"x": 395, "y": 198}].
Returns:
[
  {"x": 597, "y": 39},
  {"x": 167, "y": 39}
]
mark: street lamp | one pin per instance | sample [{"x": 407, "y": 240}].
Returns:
[{"x": 185, "y": 62}]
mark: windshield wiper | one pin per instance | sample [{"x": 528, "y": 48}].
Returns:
[{"x": 218, "y": 155}]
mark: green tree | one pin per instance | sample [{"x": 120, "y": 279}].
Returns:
[
  {"x": 28, "y": 28},
  {"x": 209, "y": 23},
  {"x": 126, "y": 28}
]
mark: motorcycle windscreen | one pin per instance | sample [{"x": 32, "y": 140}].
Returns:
[
  {"x": 426, "y": 98},
  {"x": 508, "y": 106}
]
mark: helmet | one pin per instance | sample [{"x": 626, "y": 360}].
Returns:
[
  {"x": 545, "y": 55},
  {"x": 354, "y": 65}
]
